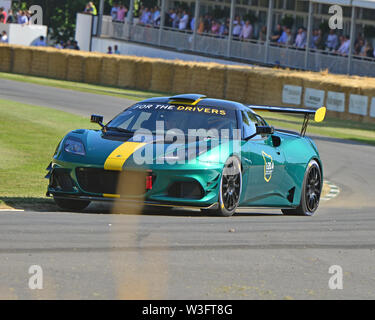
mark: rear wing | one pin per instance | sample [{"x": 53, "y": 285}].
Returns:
[{"x": 319, "y": 114}]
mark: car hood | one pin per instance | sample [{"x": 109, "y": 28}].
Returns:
[{"x": 101, "y": 147}]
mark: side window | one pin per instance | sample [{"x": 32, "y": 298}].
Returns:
[
  {"x": 260, "y": 121},
  {"x": 248, "y": 124}
]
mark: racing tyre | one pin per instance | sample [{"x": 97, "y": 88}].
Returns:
[
  {"x": 230, "y": 188},
  {"x": 311, "y": 190},
  {"x": 71, "y": 205}
]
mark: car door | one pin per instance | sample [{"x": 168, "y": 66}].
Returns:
[{"x": 264, "y": 169}]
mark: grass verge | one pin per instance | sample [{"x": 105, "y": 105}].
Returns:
[{"x": 28, "y": 138}]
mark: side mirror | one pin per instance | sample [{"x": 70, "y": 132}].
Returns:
[
  {"x": 264, "y": 130},
  {"x": 97, "y": 119},
  {"x": 261, "y": 130}
]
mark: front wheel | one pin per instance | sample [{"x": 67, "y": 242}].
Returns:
[
  {"x": 230, "y": 188},
  {"x": 310, "y": 194},
  {"x": 71, "y": 205}
]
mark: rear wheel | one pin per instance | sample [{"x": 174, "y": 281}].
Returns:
[
  {"x": 230, "y": 188},
  {"x": 71, "y": 205},
  {"x": 310, "y": 194}
]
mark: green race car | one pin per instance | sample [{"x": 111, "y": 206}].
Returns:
[{"x": 190, "y": 151}]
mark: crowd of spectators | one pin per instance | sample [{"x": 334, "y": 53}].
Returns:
[
  {"x": 21, "y": 16},
  {"x": 119, "y": 12},
  {"x": 243, "y": 30},
  {"x": 70, "y": 44}
]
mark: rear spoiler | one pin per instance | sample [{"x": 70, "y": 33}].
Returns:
[{"x": 319, "y": 114}]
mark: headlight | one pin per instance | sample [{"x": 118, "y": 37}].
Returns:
[{"x": 74, "y": 146}]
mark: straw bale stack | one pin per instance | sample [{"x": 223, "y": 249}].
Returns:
[
  {"x": 57, "y": 64},
  {"x": 76, "y": 66},
  {"x": 22, "y": 57},
  {"x": 39, "y": 62},
  {"x": 181, "y": 77},
  {"x": 5, "y": 58},
  {"x": 92, "y": 68},
  {"x": 126, "y": 72},
  {"x": 110, "y": 70},
  {"x": 162, "y": 76}
]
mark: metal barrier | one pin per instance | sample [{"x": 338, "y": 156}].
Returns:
[
  {"x": 286, "y": 56},
  {"x": 211, "y": 45},
  {"x": 321, "y": 60},
  {"x": 251, "y": 51},
  {"x": 363, "y": 67},
  {"x": 176, "y": 40}
]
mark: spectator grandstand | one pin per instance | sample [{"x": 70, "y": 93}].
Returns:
[{"x": 290, "y": 33}]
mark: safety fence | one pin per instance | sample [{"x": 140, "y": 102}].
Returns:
[
  {"x": 345, "y": 97},
  {"x": 253, "y": 51}
]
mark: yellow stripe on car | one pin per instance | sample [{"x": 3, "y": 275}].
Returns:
[
  {"x": 117, "y": 158},
  {"x": 196, "y": 102},
  {"x": 108, "y": 195}
]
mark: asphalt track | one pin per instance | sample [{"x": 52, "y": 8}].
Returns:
[{"x": 254, "y": 255}]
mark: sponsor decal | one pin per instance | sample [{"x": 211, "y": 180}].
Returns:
[
  {"x": 200, "y": 109},
  {"x": 268, "y": 166}
]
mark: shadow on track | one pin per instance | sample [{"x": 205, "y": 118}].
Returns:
[{"x": 48, "y": 205}]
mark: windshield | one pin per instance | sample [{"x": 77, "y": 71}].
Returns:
[{"x": 182, "y": 117}]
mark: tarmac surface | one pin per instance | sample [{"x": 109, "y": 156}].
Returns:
[{"x": 181, "y": 254}]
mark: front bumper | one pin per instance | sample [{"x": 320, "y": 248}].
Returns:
[{"x": 198, "y": 186}]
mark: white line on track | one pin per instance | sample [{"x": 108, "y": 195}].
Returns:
[{"x": 333, "y": 191}]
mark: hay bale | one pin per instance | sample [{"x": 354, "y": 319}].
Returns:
[
  {"x": 162, "y": 76},
  {"x": 92, "y": 67},
  {"x": 57, "y": 65},
  {"x": 264, "y": 87},
  {"x": 216, "y": 84},
  {"x": 236, "y": 83},
  {"x": 22, "y": 57},
  {"x": 110, "y": 70},
  {"x": 143, "y": 73},
  {"x": 181, "y": 77},
  {"x": 200, "y": 78},
  {"x": 127, "y": 72},
  {"x": 39, "y": 62},
  {"x": 76, "y": 66},
  {"x": 5, "y": 58}
]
